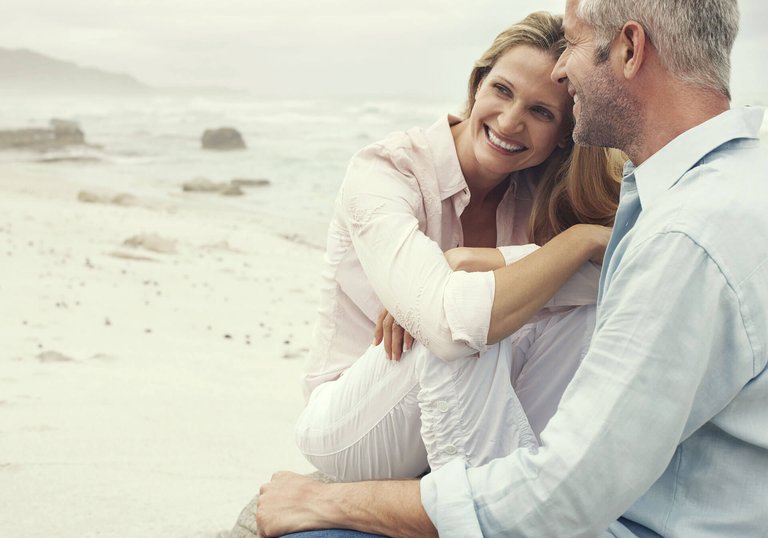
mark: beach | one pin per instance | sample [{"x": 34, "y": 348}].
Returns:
[
  {"x": 153, "y": 338},
  {"x": 151, "y": 353}
]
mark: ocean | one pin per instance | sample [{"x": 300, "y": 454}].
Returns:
[
  {"x": 147, "y": 146},
  {"x": 153, "y": 145}
]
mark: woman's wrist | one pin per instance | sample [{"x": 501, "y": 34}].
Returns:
[
  {"x": 474, "y": 259},
  {"x": 592, "y": 240}
]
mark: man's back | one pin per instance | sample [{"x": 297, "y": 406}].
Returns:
[{"x": 702, "y": 232}]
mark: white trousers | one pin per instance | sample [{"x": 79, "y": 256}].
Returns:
[{"x": 384, "y": 419}]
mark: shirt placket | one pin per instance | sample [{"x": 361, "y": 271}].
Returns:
[{"x": 626, "y": 216}]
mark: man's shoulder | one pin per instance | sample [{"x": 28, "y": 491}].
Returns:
[
  {"x": 719, "y": 204},
  {"x": 727, "y": 186}
]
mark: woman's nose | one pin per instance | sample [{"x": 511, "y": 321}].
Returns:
[{"x": 511, "y": 119}]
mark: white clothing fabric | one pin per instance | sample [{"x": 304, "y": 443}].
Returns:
[
  {"x": 387, "y": 419},
  {"x": 398, "y": 209}
]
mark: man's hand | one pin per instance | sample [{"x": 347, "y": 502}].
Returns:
[
  {"x": 289, "y": 503},
  {"x": 396, "y": 339}
]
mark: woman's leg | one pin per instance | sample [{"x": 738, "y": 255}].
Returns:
[
  {"x": 365, "y": 425},
  {"x": 485, "y": 408},
  {"x": 381, "y": 418},
  {"x": 469, "y": 408},
  {"x": 545, "y": 356}
]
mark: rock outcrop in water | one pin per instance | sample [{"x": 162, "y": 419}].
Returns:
[
  {"x": 60, "y": 133},
  {"x": 224, "y": 138},
  {"x": 201, "y": 184}
]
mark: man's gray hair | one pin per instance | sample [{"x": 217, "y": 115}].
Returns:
[{"x": 693, "y": 37}]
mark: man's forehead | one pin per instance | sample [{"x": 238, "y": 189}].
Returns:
[
  {"x": 570, "y": 21},
  {"x": 570, "y": 7}
]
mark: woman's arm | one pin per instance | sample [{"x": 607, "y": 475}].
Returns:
[
  {"x": 473, "y": 259},
  {"x": 526, "y": 286}
]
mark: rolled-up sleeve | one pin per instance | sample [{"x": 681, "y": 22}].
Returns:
[{"x": 407, "y": 269}]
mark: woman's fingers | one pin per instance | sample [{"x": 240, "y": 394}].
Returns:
[
  {"x": 408, "y": 341},
  {"x": 388, "y": 322},
  {"x": 396, "y": 340},
  {"x": 378, "y": 332}
]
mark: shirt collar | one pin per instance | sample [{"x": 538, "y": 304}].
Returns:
[
  {"x": 665, "y": 167},
  {"x": 450, "y": 179}
]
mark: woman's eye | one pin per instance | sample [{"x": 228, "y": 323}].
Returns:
[
  {"x": 544, "y": 113},
  {"x": 502, "y": 89}
]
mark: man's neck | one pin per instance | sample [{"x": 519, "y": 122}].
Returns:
[{"x": 672, "y": 110}]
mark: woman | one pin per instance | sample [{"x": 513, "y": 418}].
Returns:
[{"x": 505, "y": 174}]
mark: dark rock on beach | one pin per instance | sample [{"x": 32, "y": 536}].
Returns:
[
  {"x": 224, "y": 138},
  {"x": 61, "y": 133},
  {"x": 202, "y": 184},
  {"x": 261, "y": 182}
]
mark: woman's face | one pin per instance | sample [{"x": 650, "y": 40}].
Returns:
[{"x": 520, "y": 115}]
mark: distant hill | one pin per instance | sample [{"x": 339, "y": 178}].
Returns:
[{"x": 24, "y": 71}]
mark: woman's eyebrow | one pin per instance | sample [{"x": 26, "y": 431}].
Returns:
[{"x": 541, "y": 103}]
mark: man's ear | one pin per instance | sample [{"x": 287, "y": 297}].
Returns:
[{"x": 632, "y": 44}]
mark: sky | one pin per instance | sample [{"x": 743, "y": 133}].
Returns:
[{"x": 307, "y": 48}]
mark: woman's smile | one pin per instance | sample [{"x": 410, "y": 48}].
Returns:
[{"x": 501, "y": 144}]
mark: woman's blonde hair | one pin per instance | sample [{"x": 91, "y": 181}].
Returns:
[{"x": 575, "y": 184}]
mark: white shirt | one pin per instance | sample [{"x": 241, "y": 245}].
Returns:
[{"x": 398, "y": 209}]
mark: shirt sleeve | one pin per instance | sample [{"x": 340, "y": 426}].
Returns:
[
  {"x": 406, "y": 269},
  {"x": 661, "y": 361}
]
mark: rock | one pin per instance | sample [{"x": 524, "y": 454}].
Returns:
[
  {"x": 61, "y": 133},
  {"x": 262, "y": 182},
  {"x": 224, "y": 138},
  {"x": 152, "y": 242},
  {"x": 202, "y": 184},
  {"x": 122, "y": 199},
  {"x": 245, "y": 526},
  {"x": 67, "y": 132},
  {"x": 92, "y": 197},
  {"x": 232, "y": 190},
  {"x": 53, "y": 356}
]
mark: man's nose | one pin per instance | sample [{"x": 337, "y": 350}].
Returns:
[{"x": 558, "y": 75}]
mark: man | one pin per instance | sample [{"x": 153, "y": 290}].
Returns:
[{"x": 664, "y": 429}]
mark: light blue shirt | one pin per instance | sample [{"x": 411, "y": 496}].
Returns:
[{"x": 665, "y": 425}]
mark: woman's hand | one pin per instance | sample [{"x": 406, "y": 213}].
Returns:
[
  {"x": 396, "y": 339},
  {"x": 599, "y": 235}
]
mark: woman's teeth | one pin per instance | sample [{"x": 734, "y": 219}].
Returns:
[{"x": 498, "y": 142}]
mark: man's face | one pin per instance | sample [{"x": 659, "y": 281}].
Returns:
[{"x": 603, "y": 112}]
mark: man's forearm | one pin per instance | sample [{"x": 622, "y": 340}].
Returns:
[
  {"x": 391, "y": 508},
  {"x": 291, "y": 503}
]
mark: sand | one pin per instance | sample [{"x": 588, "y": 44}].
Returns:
[{"x": 151, "y": 349}]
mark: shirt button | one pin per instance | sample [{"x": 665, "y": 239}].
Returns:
[
  {"x": 442, "y": 406},
  {"x": 450, "y": 450}
]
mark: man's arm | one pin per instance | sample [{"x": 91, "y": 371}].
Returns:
[
  {"x": 292, "y": 503},
  {"x": 661, "y": 361}
]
